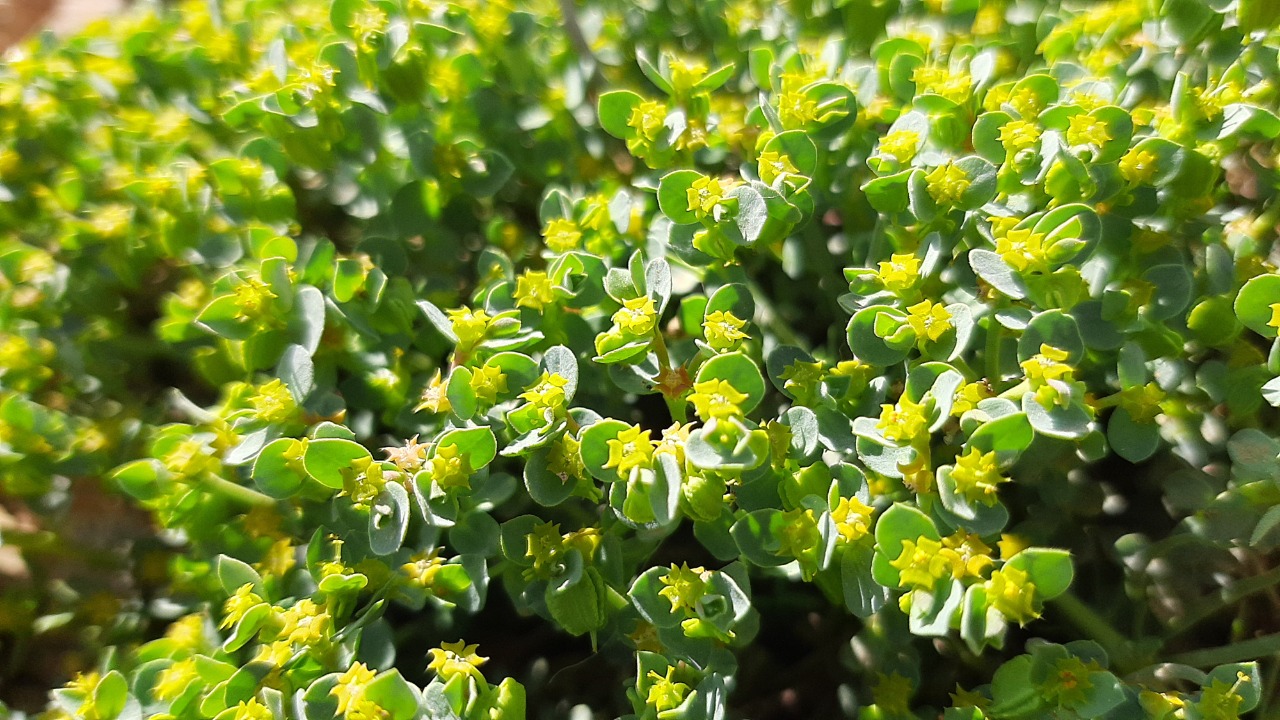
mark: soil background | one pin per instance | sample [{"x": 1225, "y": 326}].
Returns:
[{"x": 20, "y": 18}]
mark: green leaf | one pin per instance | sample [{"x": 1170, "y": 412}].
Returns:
[
  {"x": 1056, "y": 329},
  {"x": 863, "y": 596},
  {"x": 1065, "y": 423},
  {"x": 902, "y": 522},
  {"x": 297, "y": 372},
  {"x": 730, "y": 451},
  {"x": 1173, "y": 291},
  {"x": 477, "y": 443},
  {"x": 272, "y": 471},
  {"x": 615, "y": 111},
  {"x": 1008, "y": 436},
  {"x": 1253, "y": 304},
  {"x": 578, "y": 604},
  {"x": 388, "y": 519},
  {"x": 799, "y": 149},
  {"x": 982, "y": 182},
  {"x": 462, "y": 397},
  {"x": 996, "y": 272},
  {"x": 594, "y": 448},
  {"x": 1132, "y": 440},
  {"x": 888, "y": 194},
  {"x": 1049, "y": 570},
  {"x": 1013, "y": 692},
  {"x": 879, "y": 335},
  {"x": 752, "y": 214},
  {"x": 545, "y": 487},
  {"x": 739, "y": 371},
  {"x": 111, "y": 695},
  {"x": 326, "y": 459},
  {"x": 673, "y": 196},
  {"x": 757, "y": 536},
  {"x": 393, "y": 695},
  {"x": 142, "y": 479},
  {"x": 233, "y": 574}
]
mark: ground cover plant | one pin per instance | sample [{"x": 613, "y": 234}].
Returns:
[{"x": 387, "y": 359}]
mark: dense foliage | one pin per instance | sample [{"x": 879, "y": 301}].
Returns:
[{"x": 733, "y": 358}]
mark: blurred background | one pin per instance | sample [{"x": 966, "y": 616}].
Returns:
[{"x": 19, "y": 18}]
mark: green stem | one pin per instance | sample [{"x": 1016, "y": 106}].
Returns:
[
  {"x": 1229, "y": 596},
  {"x": 1263, "y": 229},
  {"x": 676, "y": 406},
  {"x": 239, "y": 493},
  {"x": 1097, "y": 628},
  {"x": 1245, "y": 650},
  {"x": 991, "y": 357},
  {"x": 1017, "y": 391}
]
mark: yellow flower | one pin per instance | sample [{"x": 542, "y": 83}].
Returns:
[
  {"x": 905, "y": 422},
  {"x": 487, "y": 382},
  {"x": 188, "y": 631},
  {"x": 239, "y": 604},
  {"x": 564, "y": 459},
  {"x": 450, "y": 468},
  {"x": 350, "y": 685},
  {"x": 941, "y": 81},
  {"x": 795, "y": 109},
  {"x": 977, "y": 476},
  {"x": 723, "y": 330},
  {"x": 1012, "y": 593},
  {"x": 801, "y": 379},
  {"x": 900, "y": 272},
  {"x": 800, "y": 536},
  {"x": 929, "y": 320},
  {"x": 251, "y": 709},
  {"x": 456, "y": 659},
  {"x": 704, "y": 195},
  {"x": 774, "y": 166},
  {"x": 175, "y": 679},
  {"x": 716, "y": 399},
  {"x": 435, "y": 396},
  {"x": 685, "y": 75},
  {"x": 921, "y": 564},
  {"x": 947, "y": 184},
  {"x": 684, "y": 586},
  {"x": 272, "y": 402},
  {"x": 901, "y": 144},
  {"x": 1048, "y": 364},
  {"x": 469, "y": 325},
  {"x": 1085, "y": 129},
  {"x": 665, "y": 693},
  {"x": 852, "y": 518},
  {"x": 967, "y": 554},
  {"x": 423, "y": 567},
  {"x": 562, "y": 235},
  {"x": 252, "y": 297},
  {"x": 1023, "y": 250},
  {"x": 1143, "y": 403},
  {"x": 1138, "y": 166},
  {"x": 673, "y": 440},
  {"x": 305, "y": 623},
  {"x": 1018, "y": 135},
  {"x": 547, "y": 392},
  {"x": 892, "y": 694},
  {"x": 631, "y": 449},
  {"x": 637, "y": 316},
  {"x": 647, "y": 119},
  {"x": 278, "y": 560},
  {"x": 968, "y": 397},
  {"x": 534, "y": 290}
]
